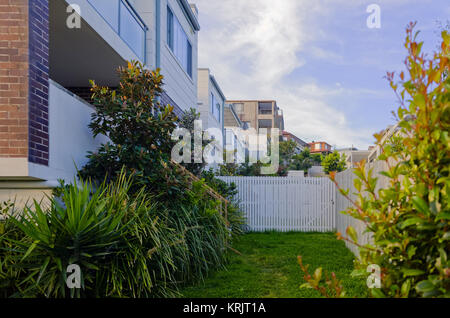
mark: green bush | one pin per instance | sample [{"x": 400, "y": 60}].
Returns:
[
  {"x": 125, "y": 242},
  {"x": 334, "y": 162},
  {"x": 235, "y": 215},
  {"x": 118, "y": 242},
  {"x": 409, "y": 219},
  {"x": 140, "y": 128}
]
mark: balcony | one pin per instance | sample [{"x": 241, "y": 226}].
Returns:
[{"x": 125, "y": 21}]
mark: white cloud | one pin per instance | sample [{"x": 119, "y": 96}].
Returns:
[{"x": 252, "y": 45}]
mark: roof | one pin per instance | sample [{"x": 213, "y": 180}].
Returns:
[
  {"x": 187, "y": 10},
  {"x": 251, "y": 100},
  {"x": 213, "y": 80},
  {"x": 298, "y": 140},
  {"x": 319, "y": 142}
]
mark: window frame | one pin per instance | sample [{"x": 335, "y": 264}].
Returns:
[{"x": 172, "y": 43}]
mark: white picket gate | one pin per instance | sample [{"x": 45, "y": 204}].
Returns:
[{"x": 287, "y": 203}]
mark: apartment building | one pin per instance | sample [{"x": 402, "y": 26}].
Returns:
[
  {"x": 48, "y": 53},
  {"x": 258, "y": 114},
  {"x": 320, "y": 147}
]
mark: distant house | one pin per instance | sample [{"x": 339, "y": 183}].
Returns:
[
  {"x": 354, "y": 156},
  {"x": 211, "y": 103},
  {"x": 301, "y": 145},
  {"x": 320, "y": 147}
]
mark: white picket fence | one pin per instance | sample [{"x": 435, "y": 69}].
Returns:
[
  {"x": 343, "y": 221},
  {"x": 345, "y": 181},
  {"x": 287, "y": 203},
  {"x": 302, "y": 204}
]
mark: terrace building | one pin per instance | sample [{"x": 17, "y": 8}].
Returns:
[{"x": 49, "y": 52}]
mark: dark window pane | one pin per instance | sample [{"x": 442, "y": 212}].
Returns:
[
  {"x": 265, "y": 123},
  {"x": 265, "y": 108},
  {"x": 170, "y": 28}
]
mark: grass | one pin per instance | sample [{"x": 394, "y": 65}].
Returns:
[{"x": 268, "y": 267}]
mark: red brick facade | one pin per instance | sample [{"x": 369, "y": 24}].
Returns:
[
  {"x": 24, "y": 68},
  {"x": 14, "y": 54}
]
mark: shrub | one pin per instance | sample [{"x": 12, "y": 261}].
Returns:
[
  {"x": 187, "y": 122},
  {"x": 334, "y": 162},
  {"x": 139, "y": 128},
  {"x": 235, "y": 215},
  {"x": 409, "y": 219},
  {"x": 140, "y": 131},
  {"x": 118, "y": 242}
]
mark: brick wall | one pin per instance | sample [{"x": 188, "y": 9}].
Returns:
[
  {"x": 14, "y": 78},
  {"x": 38, "y": 81}
]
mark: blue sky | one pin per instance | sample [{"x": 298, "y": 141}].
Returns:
[{"x": 317, "y": 58}]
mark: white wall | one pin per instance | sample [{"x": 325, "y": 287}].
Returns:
[
  {"x": 205, "y": 88},
  {"x": 70, "y": 136}
]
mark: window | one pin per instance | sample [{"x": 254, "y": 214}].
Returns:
[
  {"x": 215, "y": 108},
  {"x": 213, "y": 102},
  {"x": 179, "y": 42},
  {"x": 218, "y": 112},
  {"x": 120, "y": 15},
  {"x": 265, "y": 123},
  {"x": 265, "y": 108}
]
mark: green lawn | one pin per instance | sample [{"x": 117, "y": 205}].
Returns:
[{"x": 268, "y": 267}]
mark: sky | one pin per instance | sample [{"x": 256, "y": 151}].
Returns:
[{"x": 317, "y": 58}]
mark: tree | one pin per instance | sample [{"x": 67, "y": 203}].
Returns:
[
  {"x": 334, "y": 162},
  {"x": 302, "y": 161},
  {"x": 139, "y": 128},
  {"x": 187, "y": 122}
]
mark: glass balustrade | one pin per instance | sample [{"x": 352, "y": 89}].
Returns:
[{"x": 125, "y": 21}]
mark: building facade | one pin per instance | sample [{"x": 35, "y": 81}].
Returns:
[
  {"x": 49, "y": 52},
  {"x": 258, "y": 114},
  {"x": 320, "y": 147},
  {"x": 354, "y": 156},
  {"x": 235, "y": 139},
  {"x": 211, "y": 102},
  {"x": 301, "y": 145}
]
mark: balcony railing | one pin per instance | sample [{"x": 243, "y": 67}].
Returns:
[{"x": 125, "y": 21}]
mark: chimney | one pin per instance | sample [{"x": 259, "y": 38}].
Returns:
[{"x": 194, "y": 9}]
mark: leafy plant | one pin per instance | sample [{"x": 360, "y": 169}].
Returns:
[
  {"x": 235, "y": 215},
  {"x": 304, "y": 160},
  {"x": 334, "y": 162},
  {"x": 187, "y": 122},
  {"x": 139, "y": 128},
  {"x": 327, "y": 285},
  {"x": 409, "y": 219}
]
